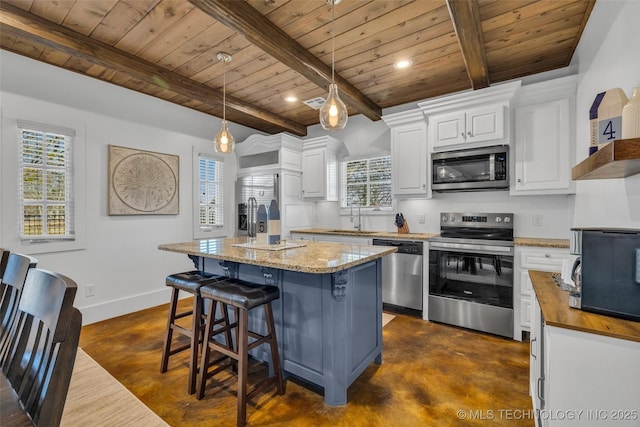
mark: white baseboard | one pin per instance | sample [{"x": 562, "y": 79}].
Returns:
[{"x": 119, "y": 307}]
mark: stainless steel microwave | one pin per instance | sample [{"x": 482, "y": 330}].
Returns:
[{"x": 473, "y": 169}]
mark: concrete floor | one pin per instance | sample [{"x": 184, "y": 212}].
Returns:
[{"x": 431, "y": 375}]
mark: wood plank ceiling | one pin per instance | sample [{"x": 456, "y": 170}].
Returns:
[{"x": 167, "y": 49}]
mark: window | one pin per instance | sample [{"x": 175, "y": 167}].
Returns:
[
  {"x": 366, "y": 183},
  {"x": 45, "y": 179},
  {"x": 211, "y": 191}
]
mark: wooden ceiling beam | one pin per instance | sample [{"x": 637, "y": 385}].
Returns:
[
  {"x": 14, "y": 21},
  {"x": 466, "y": 21},
  {"x": 261, "y": 32}
]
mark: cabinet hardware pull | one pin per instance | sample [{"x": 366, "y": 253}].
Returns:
[
  {"x": 469, "y": 133},
  {"x": 531, "y": 351},
  {"x": 462, "y": 134},
  {"x": 538, "y": 392},
  {"x": 519, "y": 179}
]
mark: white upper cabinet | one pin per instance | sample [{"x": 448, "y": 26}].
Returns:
[
  {"x": 409, "y": 158},
  {"x": 470, "y": 119},
  {"x": 320, "y": 168},
  {"x": 476, "y": 125},
  {"x": 544, "y": 138}
]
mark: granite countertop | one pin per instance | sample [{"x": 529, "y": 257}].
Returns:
[
  {"x": 518, "y": 241},
  {"x": 554, "y": 303},
  {"x": 541, "y": 243},
  {"x": 366, "y": 233},
  {"x": 312, "y": 257}
]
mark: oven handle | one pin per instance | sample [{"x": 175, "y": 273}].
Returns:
[{"x": 485, "y": 249}]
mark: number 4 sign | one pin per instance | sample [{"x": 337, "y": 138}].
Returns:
[{"x": 609, "y": 129}]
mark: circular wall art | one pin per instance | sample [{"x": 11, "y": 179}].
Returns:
[{"x": 142, "y": 182}]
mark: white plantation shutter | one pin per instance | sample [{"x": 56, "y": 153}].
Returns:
[
  {"x": 45, "y": 182},
  {"x": 211, "y": 191},
  {"x": 366, "y": 182}
]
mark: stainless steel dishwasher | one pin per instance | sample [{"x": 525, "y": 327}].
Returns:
[{"x": 402, "y": 276}]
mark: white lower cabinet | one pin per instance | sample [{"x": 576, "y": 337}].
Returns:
[
  {"x": 582, "y": 379},
  {"x": 531, "y": 258}
]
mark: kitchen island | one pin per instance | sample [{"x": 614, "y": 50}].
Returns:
[{"x": 329, "y": 315}]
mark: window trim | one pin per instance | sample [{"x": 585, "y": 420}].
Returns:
[
  {"x": 69, "y": 135},
  {"x": 9, "y": 165},
  {"x": 217, "y": 230},
  {"x": 369, "y": 210}
]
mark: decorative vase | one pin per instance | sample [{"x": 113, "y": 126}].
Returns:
[{"x": 631, "y": 116}]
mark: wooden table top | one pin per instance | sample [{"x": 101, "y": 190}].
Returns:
[{"x": 554, "y": 303}]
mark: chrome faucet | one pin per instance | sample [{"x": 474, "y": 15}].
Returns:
[{"x": 358, "y": 225}]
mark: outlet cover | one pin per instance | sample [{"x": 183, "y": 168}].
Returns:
[
  {"x": 537, "y": 220},
  {"x": 90, "y": 290}
]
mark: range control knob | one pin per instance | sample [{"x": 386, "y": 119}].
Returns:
[
  {"x": 453, "y": 218},
  {"x": 498, "y": 219},
  {"x": 507, "y": 219},
  {"x": 444, "y": 218}
]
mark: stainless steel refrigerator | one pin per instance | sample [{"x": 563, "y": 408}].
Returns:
[{"x": 264, "y": 188}]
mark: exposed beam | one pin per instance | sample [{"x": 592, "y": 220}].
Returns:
[
  {"x": 466, "y": 21},
  {"x": 15, "y": 21},
  {"x": 261, "y": 32}
]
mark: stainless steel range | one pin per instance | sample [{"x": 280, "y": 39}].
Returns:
[{"x": 471, "y": 272}]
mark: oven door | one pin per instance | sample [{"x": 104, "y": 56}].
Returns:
[{"x": 472, "y": 286}]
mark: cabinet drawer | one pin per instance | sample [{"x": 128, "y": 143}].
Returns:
[{"x": 549, "y": 259}]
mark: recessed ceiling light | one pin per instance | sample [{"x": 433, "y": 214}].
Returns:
[
  {"x": 290, "y": 98},
  {"x": 405, "y": 63}
]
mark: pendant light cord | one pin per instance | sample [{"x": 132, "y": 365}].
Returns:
[
  {"x": 224, "y": 91},
  {"x": 333, "y": 41}
]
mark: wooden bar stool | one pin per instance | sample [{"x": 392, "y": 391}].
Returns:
[
  {"x": 191, "y": 282},
  {"x": 243, "y": 296}
]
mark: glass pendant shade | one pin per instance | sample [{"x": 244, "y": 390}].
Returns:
[
  {"x": 224, "y": 141},
  {"x": 333, "y": 113}
]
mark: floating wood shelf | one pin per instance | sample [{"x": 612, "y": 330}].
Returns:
[{"x": 619, "y": 159}]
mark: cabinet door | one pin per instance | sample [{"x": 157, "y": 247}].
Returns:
[
  {"x": 409, "y": 159},
  {"x": 448, "y": 129},
  {"x": 536, "y": 361},
  {"x": 485, "y": 123},
  {"x": 542, "y": 148},
  {"x": 314, "y": 182}
]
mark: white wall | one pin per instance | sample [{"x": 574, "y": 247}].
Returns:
[
  {"x": 121, "y": 257},
  {"x": 608, "y": 56}
]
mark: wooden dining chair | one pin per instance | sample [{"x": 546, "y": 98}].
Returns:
[
  {"x": 11, "y": 285},
  {"x": 43, "y": 344},
  {"x": 4, "y": 257}
]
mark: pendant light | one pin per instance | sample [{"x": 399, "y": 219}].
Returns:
[
  {"x": 224, "y": 141},
  {"x": 333, "y": 113}
]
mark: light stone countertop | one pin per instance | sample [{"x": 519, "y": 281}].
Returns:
[
  {"x": 313, "y": 257},
  {"x": 518, "y": 241},
  {"x": 542, "y": 243},
  {"x": 366, "y": 233}
]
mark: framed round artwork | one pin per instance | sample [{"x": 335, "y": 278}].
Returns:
[{"x": 142, "y": 182}]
